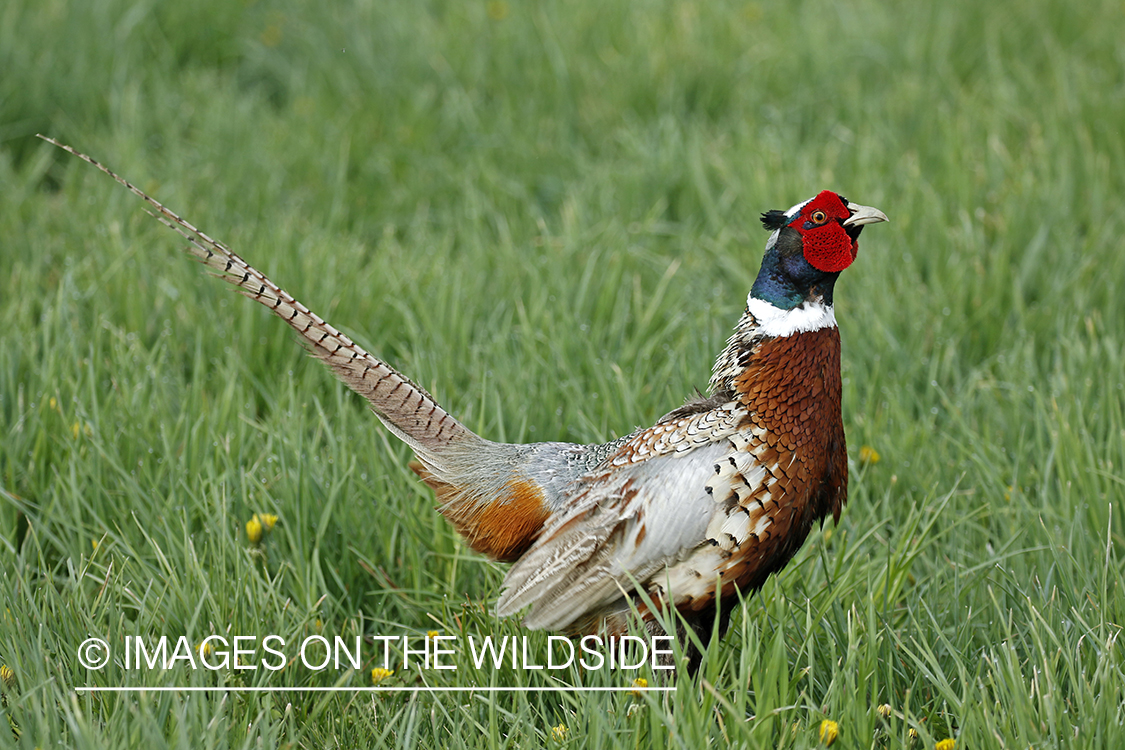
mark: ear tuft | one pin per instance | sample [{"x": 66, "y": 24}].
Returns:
[{"x": 773, "y": 220}]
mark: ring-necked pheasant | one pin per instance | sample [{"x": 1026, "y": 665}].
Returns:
[{"x": 717, "y": 495}]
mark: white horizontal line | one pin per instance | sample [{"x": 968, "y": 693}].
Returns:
[{"x": 195, "y": 689}]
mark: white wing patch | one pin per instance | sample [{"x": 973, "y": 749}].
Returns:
[{"x": 681, "y": 435}]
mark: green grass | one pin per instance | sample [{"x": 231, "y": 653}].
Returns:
[{"x": 546, "y": 214}]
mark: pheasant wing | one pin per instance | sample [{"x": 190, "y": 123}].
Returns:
[{"x": 669, "y": 495}]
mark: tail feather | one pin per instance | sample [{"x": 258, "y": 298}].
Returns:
[
  {"x": 404, "y": 407},
  {"x": 479, "y": 484}
]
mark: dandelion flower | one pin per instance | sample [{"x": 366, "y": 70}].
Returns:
[
  {"x": 271, "y": 35},
  {"x": 829, "y": 731},
  {"x": 560, "y": 732},
  {"x": 947, "y": 744},
  {"x": 259, "y": 525},
  {"x": 378, "y": 674},
  {"x": 868, "y": 455},
  {"x": 431, "y": 634},
  {"x": 497, "y": 10},
  {"x": 8, "y": 676},
  {"x": 912, "y": 733},
  {"x": 638, "y": 685},
  {"x": 254, "y": 530},
  {"x": 884, "y": 710}
]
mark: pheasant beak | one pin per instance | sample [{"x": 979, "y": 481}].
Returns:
[{"x": 863, "y": 215}]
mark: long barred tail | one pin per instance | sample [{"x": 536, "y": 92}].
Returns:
[{"x": 407, "y": 410}]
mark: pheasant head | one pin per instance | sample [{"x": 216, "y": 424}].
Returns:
[{"x": 811, "y": 244}]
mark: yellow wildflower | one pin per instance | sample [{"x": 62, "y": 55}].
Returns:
[
  {"x": 378, "y": 674},
  {"x": 829, "y": 731},
  {"x": 884, "y": 710},
  {"x": 868, "y": 455},
  {"x": 205, "y": 648},
  {"x": 638, "y": 684},
  {"x": 53, "y": 403},
  {"x": 431, "y": 634},
  {"x": 947, "y": 744},
  {"x": 497, "y": 10},
  {"x": 560, "y": 732},
  {"x": 259, "y": 525},
  {"x": 8, "y": 676},
  {"x": 271, "y": 35},
  {"x": 912, "y": 733},
  {"x": 254, "y": 530}
]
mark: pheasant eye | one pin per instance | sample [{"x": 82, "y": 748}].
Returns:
[{"x": 818, "y": 217}]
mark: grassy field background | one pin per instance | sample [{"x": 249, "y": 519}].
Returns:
[{"x": 546, "y": 213}]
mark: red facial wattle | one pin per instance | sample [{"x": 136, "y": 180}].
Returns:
[{"x": 827, "y": 245}]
